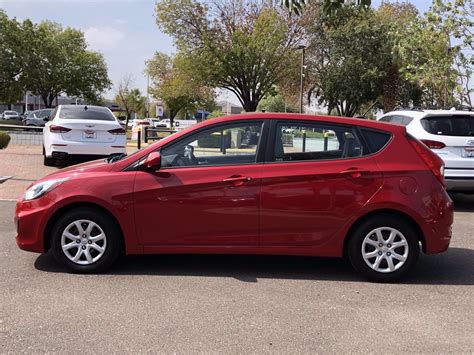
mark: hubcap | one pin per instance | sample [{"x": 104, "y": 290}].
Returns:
[
  {"x": 385, "y": 249},
  {"x": 83, "y": 242}
]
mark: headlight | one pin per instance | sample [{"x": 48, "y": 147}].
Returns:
[{"x": 40, "y": 189}]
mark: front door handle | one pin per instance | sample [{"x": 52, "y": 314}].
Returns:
[
  {"x": 355, "y": 172},
  {"x": 238, "y": 180}
]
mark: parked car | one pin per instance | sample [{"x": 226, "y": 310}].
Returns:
[
  {"x": 38, "y": 118},
  {"x": 450, "y": 134},
  {"x": 82, "y": 130},
  {"x": 374, "y": 194},
  {"x": 10, "y": 115},
  {"x": 141, "y": 122}
]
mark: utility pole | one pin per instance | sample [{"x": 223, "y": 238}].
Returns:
[{"x": 302, "y": 47}]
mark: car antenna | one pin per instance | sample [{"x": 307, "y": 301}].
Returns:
[{"x": 85, "y": 108}]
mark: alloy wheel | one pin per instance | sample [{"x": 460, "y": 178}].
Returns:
[
  {"x": 385, "y": 249},
  {"x": 83, "y": 242}
]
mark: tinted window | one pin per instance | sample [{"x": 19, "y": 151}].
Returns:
[
  {"x": 397, "y": 119},
  {"x": 224, "y": 145},
  {"x": 456, "y": 125},
  {"x": 318, "y": 141},
  {"x": 376, "y": 140},
  {"x": 86, "y": 113}
]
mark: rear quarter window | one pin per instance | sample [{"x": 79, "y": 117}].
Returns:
[
  {"x": 86, "y": 113},
  {"x": 454, "y": 125},
  {"x": 376, "y": 140},
  {"x": 397, "y": 119}
]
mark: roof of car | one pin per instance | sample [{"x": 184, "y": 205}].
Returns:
[
  {"x": 298, "y": 116},
  {"x": 83, "y": 106},
  {"x": 424, "y": 113}
]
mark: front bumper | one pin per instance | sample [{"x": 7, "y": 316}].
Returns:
[{"x": 30, "y": 220}]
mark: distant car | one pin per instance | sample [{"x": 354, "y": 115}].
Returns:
[
  {"x": 82, "y": 130},
  {"x": 375, "y": 196},
  {"x": 38, "y": 118},
  {"x": 10, "y": 115},
  {"x": 141, "y": 122},
  {"x": 449, "y": 134}
]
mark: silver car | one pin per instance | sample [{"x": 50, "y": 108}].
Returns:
[
  {"x": 38, "y": 118},
  {"x": 10, "y": 115}
]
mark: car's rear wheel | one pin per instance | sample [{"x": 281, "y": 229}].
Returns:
[
  {"x": 383, "y": 248},
  {"x": 48, "y": 161},
  {"x": 86, "y": 240}
]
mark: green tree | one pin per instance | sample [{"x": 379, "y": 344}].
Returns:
[
  {"x": 397, "y": 18},
  {"x": 329, "y": 6},
  {"x": 176, "y": 81},
  {"x": 58, "y": 62},
  {"x": 275, "y": 103},
  {"x": 347, "y": 59},
  {"x": 130, "y": 100},
  {"x": 12, "y": 46},
  {"x": 245, "y": 45}
]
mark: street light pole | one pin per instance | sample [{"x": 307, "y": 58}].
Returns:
[{"x": 302, "y": 47}]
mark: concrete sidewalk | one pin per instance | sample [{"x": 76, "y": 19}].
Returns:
[{"x": 25, "y": 165}]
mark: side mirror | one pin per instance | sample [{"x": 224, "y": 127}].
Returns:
[
  {"x": 46, "y": 119},
  {"x": 153, "y": 161}
]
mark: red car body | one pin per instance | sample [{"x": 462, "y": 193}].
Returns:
[{"x": 291, "y": 208}]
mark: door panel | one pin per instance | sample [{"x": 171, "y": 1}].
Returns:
[
  {"x": 318, "y": 180},
  {"x": 195, "y": 206},
  {"x": 307, "y": 203}
]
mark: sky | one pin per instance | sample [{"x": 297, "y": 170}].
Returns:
[{"x": 124, "y": 31}]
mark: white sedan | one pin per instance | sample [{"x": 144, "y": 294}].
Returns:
[
  {"x": 82, "y": 130},
  {"x": 450, "y": 134}
]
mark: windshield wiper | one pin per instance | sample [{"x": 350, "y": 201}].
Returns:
[{"x": 115, "y": 157}]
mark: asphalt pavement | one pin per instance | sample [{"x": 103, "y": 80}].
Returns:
[{"x": 235, "y": 304}]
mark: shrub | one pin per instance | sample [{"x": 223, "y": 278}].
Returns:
[{"x": 4, "y": 140}]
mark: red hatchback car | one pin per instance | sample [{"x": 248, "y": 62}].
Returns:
[{"x": 250, "y": 184}]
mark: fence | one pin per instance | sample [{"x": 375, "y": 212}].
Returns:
[{"x": 22, "y": 135}]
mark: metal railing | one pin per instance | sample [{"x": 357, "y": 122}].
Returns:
[{"x": 23, "y": 135}]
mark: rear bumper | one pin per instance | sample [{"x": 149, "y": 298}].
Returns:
[
  {"x": 460, "y": 184},
  {"x": 78, "y": 148}
]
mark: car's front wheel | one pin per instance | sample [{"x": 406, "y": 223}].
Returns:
[
  {"x": 383, "y": 248},
  {"x": 86, "y": 240}
]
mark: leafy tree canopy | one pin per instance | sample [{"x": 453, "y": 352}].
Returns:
[
  {"x": 177, "y": 81},
  {"x": 245, "y": 45}
]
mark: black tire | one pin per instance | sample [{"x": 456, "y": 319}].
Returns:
[
  {"x": 48, "y": 161},
  {"x": 355, "y": 244},
  {"x": 112, "y": 232}
]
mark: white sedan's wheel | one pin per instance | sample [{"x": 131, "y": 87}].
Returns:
[
  {"x": 385, "y": 249},
  {"x": 83, "y": 242}
]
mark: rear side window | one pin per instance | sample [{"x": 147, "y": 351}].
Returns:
[
  {"x": 86, "y": 113},
  {"x": 397, "y": 119},
  {"x": 376, "y": 140},
  {"x": 315, "y": 141},
  {"x": 455, "y": 125}
]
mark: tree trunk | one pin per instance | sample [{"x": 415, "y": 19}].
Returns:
[{"x": 391, "y": 88}]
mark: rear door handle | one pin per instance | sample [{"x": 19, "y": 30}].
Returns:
[
  {"x": 355, "y": 172},
  {"x": 238, "y": 180}
]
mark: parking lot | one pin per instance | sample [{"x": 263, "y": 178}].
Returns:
[{"x": 229, "y": 303}]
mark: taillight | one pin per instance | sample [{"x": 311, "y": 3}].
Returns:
[
  {"x": 433, "y": 161},
  {"x": 117, "y": 131},
  {"x": 58, "y": 129},
  {"x": 433, "y": 144}
]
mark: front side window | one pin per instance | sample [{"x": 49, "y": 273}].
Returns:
[
  {"x": 319, "y": 141},
  {"x": 230, "y": 144},
  {"x": 397, "y": 119}
]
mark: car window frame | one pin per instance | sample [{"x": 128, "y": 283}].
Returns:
[
  {"x": 261, "y": 147},
  {"x": 270, "y": 151}
]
